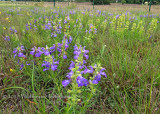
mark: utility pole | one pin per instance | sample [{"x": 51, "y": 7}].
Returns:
[
  {"x": 93, "y": 4},
  {"x": 150, "y": 5},
  {"x": 54, "y": 3},
  {"x": 142, "y": 2}
]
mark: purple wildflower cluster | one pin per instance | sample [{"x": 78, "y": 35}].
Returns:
[
  {"x": 30, "y": 26},
  {"x": 146, "y": 16},
  {"x": 37, "y": 52},
  {"x": 46, "y": 24},
  {"x": 19, "y": 51},
  {"x": 92, "y": 29},
  {"x": 66, "y": 19},
  {"x": 48, "y": 52},
  {"x": 82, "y": 68},
  {"x": 12, "y": 30},
  {"x": 7, "y": 38},
  {"x": 51, "y": 63}
]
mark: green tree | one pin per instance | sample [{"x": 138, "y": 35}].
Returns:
[
  {"x": 123, "y": 1},
  {"x": 101, "y": 2}
]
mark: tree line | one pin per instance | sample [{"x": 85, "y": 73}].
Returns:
[
  {"x": 125, "y": 1},
  {"x": 102, "y": 1}
]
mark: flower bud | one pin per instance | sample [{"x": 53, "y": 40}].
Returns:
[{"x": 69, "y": 91}]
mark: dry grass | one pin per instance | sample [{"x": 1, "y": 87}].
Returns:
[{"x": 114, "y": 7}]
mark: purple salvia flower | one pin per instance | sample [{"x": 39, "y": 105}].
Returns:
[
  {"x": 36, "y": 51},
  {"x": 53, "y": 67},
  {"x": 21, "y": 66},
  {"x": 95, "y": 82},
  {"x": 68, "y": 18},
  {"x": 51, "y": 34},
  {"x": 59, "y": 45},
  {"x": 66, "y": 44},
  {"x": 103, "y": 73},
  {"x": 65, "y": 82},
  {"x": 69, "y": 75},
  {"x": 65, "y": 21},
  {"x": 77, "y": 52},
  {"x": 81, "y": 81},
  {"x": 33, "y": 51},
  {"x": 46, "y": 64},
  {"x": 98, "y": 77},
  {"x": 70, "y": 39},
  {"x": 18, "y": 51},
  {"x": 15, "y": 30},
  {"x": 72, "y": 65},
  {"x": 27, "y": 64},
  {"x": 64, "y": 56},
  {"x": 27, "y": 28},
  {"x": 53, "y": 64},
  {"x": 55, "y": 35},
  {"x": 85, "y": 53},
  {"x": 52, "y": 49},
  {"x": 7, "y": 38},
  {"x": 45, "y": 50},
  {"x": 21, "y": 55},
  {"x": 87, "y": 70}
]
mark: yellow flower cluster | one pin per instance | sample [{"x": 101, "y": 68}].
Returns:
[
  {"x": 7, "y": 19},
  {"x": 134, "y": 26},
  {"x": 120, "y": 23},
  {"x": 140, "y": 28},
  {"x": 152, "y": 27}
]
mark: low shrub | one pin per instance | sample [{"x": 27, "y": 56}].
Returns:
[{"x": 101, "y": 2}]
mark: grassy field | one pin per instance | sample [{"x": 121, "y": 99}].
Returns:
[{"x": 79, "y": 60}]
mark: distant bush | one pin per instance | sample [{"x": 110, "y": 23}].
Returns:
[
  {"x": 156, "y": 2},
  {"x": 101, "y": 2},
  {"x": 82, "y": 0},
  {"x": 40, "y": 4},
  {"x": 123, "y": 1},
  {"x": 141, "y": 1}
]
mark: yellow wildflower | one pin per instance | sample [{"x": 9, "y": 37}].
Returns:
[
  {"x": 28, "y": 14},
  {"x": 0, "y": 13},
  {"x": 6, "y": 18},
  {"x": 11, "y": 70},
  {"x": 4, "y": 28}
]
